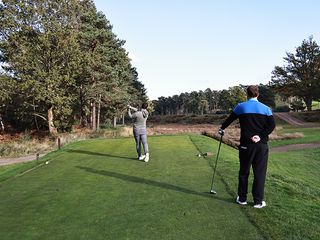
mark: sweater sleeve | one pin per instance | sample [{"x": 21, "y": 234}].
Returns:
[
  {"x": 145, "y": 113},
  {"x": 129, "y": 113},
  {"x": 133, "y": 108}
]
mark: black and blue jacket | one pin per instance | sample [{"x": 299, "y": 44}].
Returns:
[{"x": 255, "y": 119}]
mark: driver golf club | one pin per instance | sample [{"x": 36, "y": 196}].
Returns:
[{"x": 212, "y": 191}]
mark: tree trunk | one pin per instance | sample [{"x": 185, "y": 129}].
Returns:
[
  {"x": 114, "y": 121},
  {"x": 123, "y": 119},
  {"x": 35, "y": 117},
  {"x": 308, "y": 101},
  {"x": 93, "y": 117},
  {"x": 98, "y": 114},
  {"x": 83, "y": 118},
  {"x": 1, "y": 123},
  {"x": 52, "y": 128},
  {"x": 90, "y": 121}
]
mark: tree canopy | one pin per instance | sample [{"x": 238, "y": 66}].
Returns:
[
  {"x": 300, "y": 76},
  {"x": 201, "y": 102},
  {"x": 62, "y": 65}
]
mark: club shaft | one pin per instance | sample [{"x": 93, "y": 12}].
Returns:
[{"x": 215, "y": 165}]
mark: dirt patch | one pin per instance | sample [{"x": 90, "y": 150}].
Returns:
[
  {"x": 293, "y": 120},
  {"x": 7, "y": 161}
]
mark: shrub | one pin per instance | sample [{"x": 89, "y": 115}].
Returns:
[
  {"x": 283, "y": 108},
  {"x": 187, "y": 119}
]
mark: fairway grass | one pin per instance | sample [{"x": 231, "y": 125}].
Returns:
[{"x": 97, "y": 189}]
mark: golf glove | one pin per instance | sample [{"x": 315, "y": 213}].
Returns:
[{"x": 221, "y": 131}]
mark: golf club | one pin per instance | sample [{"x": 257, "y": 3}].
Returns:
[{"x": 212, "y": 191}]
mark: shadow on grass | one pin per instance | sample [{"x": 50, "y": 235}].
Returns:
[
  {"x": 99, "y": 154},
  {"x": 154, "y": 183}
]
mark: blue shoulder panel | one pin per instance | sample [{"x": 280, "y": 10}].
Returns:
[{"x": 252, "y": 107}]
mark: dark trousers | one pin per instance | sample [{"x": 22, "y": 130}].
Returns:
[{"x": 257, "y": 156}]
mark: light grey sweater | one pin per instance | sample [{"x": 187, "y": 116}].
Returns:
[{"x": 139, "y": 117}]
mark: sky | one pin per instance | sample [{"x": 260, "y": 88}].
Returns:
[{"x": 190, "y": 45}]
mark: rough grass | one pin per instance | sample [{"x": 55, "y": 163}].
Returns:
[
  {"x": 232, "y": 135},
  {"x": 24, "y": 147},
  {"x": 26, "y": 144},
  {"x": 309, "y": 135},
  {"x": 187, "y": 119}
]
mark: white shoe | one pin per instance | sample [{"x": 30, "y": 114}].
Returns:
[
  {"x": 260, "y": 205},
  {"x": 147, "y": 157},
  {"x": 141, "y": 157},
  {"x": 239, "y": 202}
]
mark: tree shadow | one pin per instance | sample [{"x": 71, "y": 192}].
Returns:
[
  {"x": 99, "y": 154},
  {"x": 154, "y": 183}
]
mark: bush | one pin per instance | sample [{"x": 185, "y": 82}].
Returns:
[
  {"x": 187, "y": 119},
  {"x": 223, "y": 112},
  {"x": 297, "y": 105},
  {"x": 283, "y": 108}
]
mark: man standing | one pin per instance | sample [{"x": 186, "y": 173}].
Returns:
[
  {"x": 140, "y": 130},
  {"x": 256, "y": 123}
]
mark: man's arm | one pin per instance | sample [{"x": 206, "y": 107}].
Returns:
[
  {"x": 270, "y": 126},
  {"x": 229, "y": 120},
  {"x": 132, "y": 108},
  {"x": 129, "y": 111},
  {"x": 145, "y": 113}
]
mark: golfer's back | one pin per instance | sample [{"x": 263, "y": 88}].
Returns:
[{"x": 255, "y": 119}]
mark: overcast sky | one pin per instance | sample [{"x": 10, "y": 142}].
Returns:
[{"x": 190, "y": 45}]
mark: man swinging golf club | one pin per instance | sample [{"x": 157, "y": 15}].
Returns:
[
  {"x": 256, "y": 123},
  {"x": 140, "y": 130}
]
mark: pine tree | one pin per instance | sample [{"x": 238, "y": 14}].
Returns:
[
  {"x": 105, "y": 72},
  {"x": 39, "y": 47},
  {"x": 300, "y": 76}
]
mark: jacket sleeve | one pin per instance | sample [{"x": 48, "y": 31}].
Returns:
[
  {"x": 270, "y": 126},
  {"x": 229, "y": 120}
]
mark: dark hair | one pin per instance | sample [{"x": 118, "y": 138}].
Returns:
[
  {"x": 144, "y": 105},
  {"x": 253, "y": 91}
]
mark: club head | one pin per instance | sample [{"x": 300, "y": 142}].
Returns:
[{"x": 213, "y": 191}]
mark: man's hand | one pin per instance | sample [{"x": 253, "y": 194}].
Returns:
[
  {"x": 221, "y": 131},
  {"x": 255, "y": 138}
]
